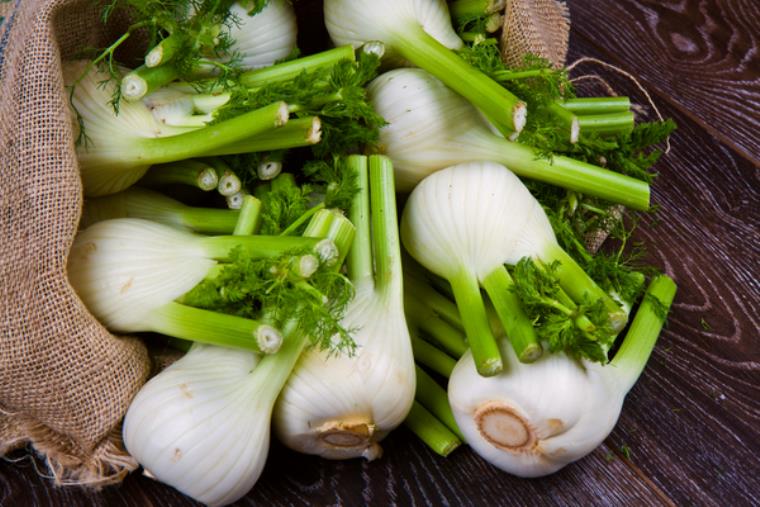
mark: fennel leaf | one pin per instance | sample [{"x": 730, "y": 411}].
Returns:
[
  {"x": 336, "y": 94},
  {"x": 268, "y": 289},
  {"x": 338, "y": 185},
  {"x": 282, "y": 204},
  {"x": 580, "y": 331}
]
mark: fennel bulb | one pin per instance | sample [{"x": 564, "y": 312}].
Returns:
[
  {"x": 103, "y": 169},
  {"x": 420, "y": 31},
  {"x": 340, "y": 406},
  {"x": 464, "y": 223},
  {"x": 202, "y": 425},
  {"x": 129, "y": 272},
  {"x": 256, "y": 40},
  {"x": 431, "y": 127},
  {"x": 116, "y": 150},
  {"x": 536, "y": 418},
  {"x": 264, "y": 38}
]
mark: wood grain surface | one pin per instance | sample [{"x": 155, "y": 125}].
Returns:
[
  {"x": 688, "y": 434},
  {"x": 702, "y": 54}
]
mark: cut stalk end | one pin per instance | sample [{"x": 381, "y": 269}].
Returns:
[
  {"x": 327, "y": 252},
  {"x": 374, "y": 47},
  {"x": 519, "y": 117},
  {"x": 531, "y": 353},
  {"x": 154, "y": 57},
  {"x": 314, "y": 134},
  {"x": 269, "y": 170},
  {"x": 229, "y": 184},
  {"x": 207, "y": 179},
  {"x": 235, "y": 201},
  {"x": 144, "y": 80},
  {"x": 283, "y": 113},
  {"x": 268, "y": 339},
  {"x": 133, "y": 87},
  {"x": 490, "y": 367},
  {"x": 575, "y": 130},
  {"x": 306, "y": 266}
]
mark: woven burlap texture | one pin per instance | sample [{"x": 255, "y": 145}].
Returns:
[
  {"x": 539, "y": 27},
  {"x": 65, "y": 382}
]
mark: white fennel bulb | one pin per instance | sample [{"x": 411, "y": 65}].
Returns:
[
  {"x": 340, "y": 406},
  {"x": 354, "y": 23},
  {"x": 100, "y": 151},
  {"x": 464, "y": 223},
  {"x": 420, "y": 32},
  {"x": 533, "y": 419},
  {"x": 115, "y": 150},
  {"x": 123, "y": 269},
  {"x": 266, "y": 37},
  {"x": 431, "y": 127},
  {"x": 202, "y": 425},
  {"x": 129, "y": 272},
  {"x": 475, "y": 214}
]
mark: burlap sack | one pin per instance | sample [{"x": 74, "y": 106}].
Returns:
[
  {"x": 540, "y": 27},
  {"x": 65, "y": 382}
]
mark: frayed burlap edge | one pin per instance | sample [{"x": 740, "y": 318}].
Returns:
[
  {"x": 78, "y": 447},
  {"x": 67, "y": 464}
]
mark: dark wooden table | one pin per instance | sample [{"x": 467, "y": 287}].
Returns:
[{"x": 689, "y": 433}]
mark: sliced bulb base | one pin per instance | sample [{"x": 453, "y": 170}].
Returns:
[
  {"x": 347, "y": 439},
  {"x": 504, "y": 428}
]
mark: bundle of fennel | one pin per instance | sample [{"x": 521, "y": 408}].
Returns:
[{"x": 225, "y": 193}]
